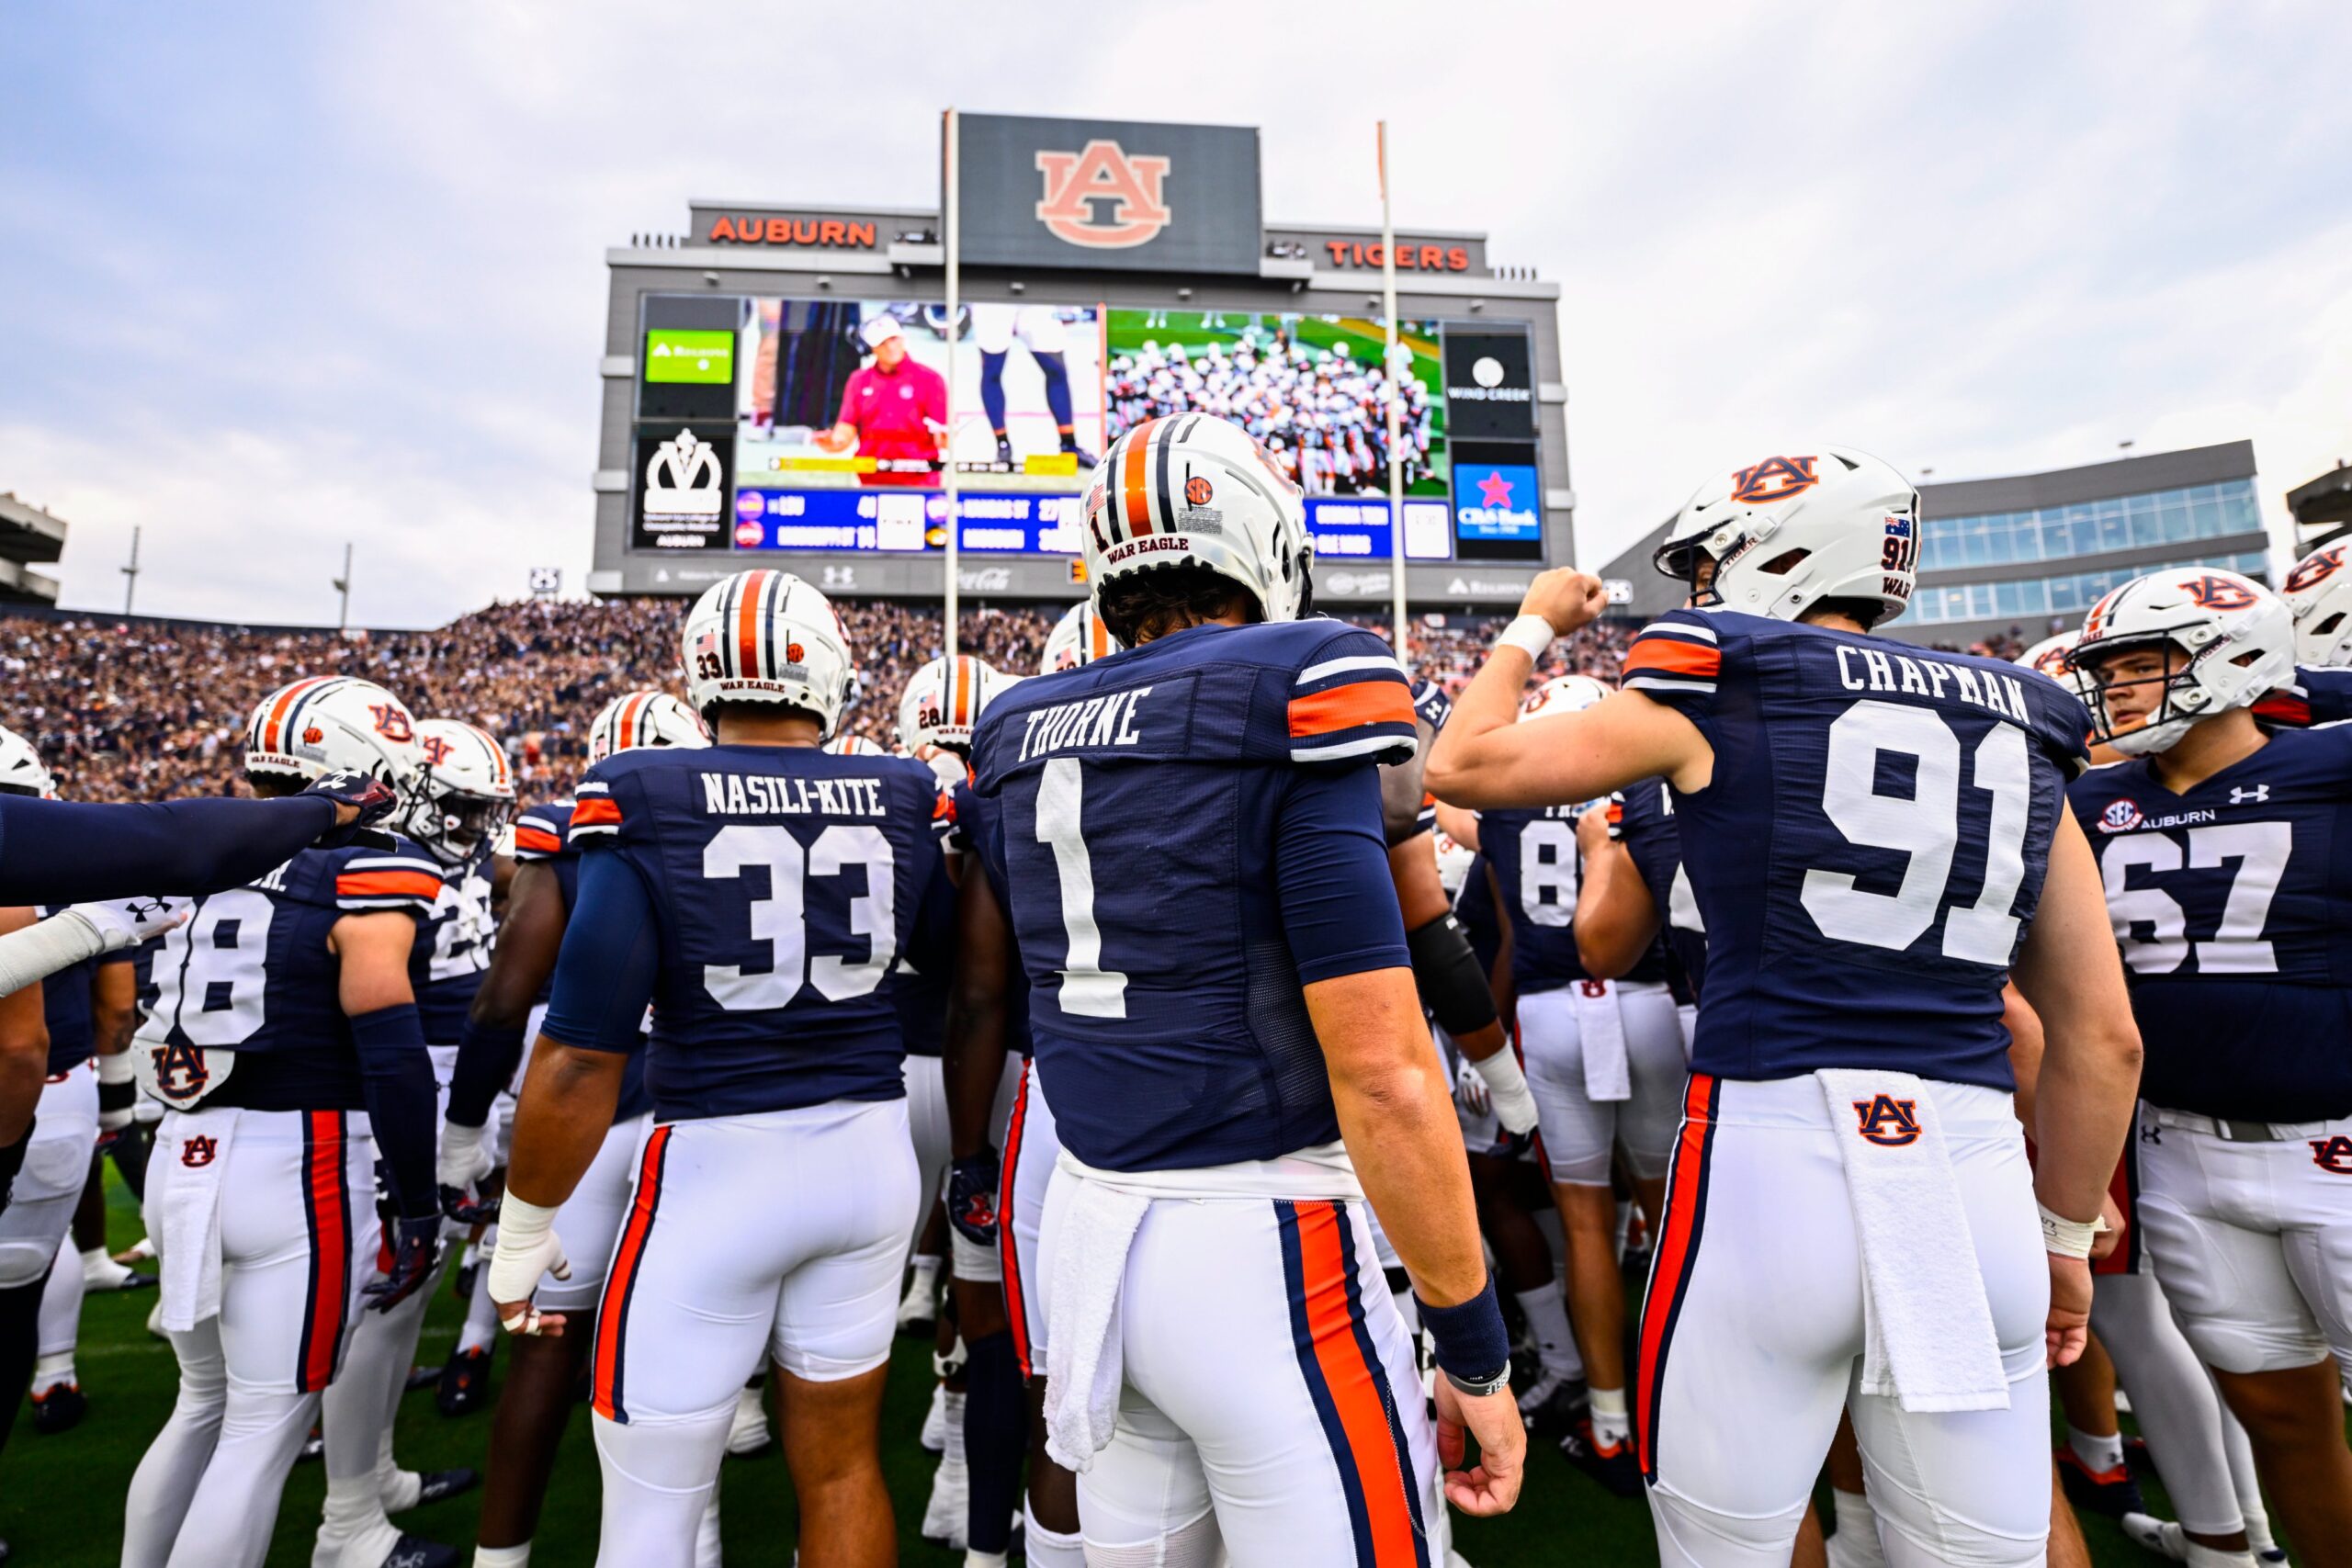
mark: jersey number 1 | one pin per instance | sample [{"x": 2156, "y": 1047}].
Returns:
[{"x": 1087, "y": 990}]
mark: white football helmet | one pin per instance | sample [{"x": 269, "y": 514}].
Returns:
[
  {"x": 2052, "y": 656},
  {"x": 1562, "y": 693},
  {"x": 1079, "y": 638},
  {"x": 941, "y": 706},
  {"x": 334, "y": 722},
  {"x": 21, "y": 769},
  {"x": 2238, "y": 636},
  {"x": 465, "y": 792},
  {"x": 1788, "y": 531},
  {"x": 767, "y": 637},
  {"x": 644, "y": 718},
  {"x": 1193, "y": 490},
  {"x": 2319, "y": 595},
  {"x": 855, "y": 746}
]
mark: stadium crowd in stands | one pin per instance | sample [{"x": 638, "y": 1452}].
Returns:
[{"x": 128, "y": 709}]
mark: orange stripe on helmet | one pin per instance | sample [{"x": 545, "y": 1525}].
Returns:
[
  {"x": 960, "y": 698},
  {"x": 270, "y": 734},
  {"x": 1139, "y": 497},
  {"x": 747, "y": 625}
]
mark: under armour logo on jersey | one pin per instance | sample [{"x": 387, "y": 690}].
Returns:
[
  {"x": 1888, "y": 1122},
  {"x": 2333, "y": 1155},
  {"x": 180, "y": 1072},
  {"x": 1774, "y": 478},
  {"x": 2240, "y": 797},
  {"x": 198, "y": 1151}
]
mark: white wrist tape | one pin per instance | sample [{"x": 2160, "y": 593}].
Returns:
[
  {"x": 527, "y": 1248},
  {"x": 117, "y": 1068},
  {"x": 1531, "y": 635},
  {"x": 461, "y": 1162},
  {"x": 2069, "y": 1238},
  {"x": 43, "y": 948},
  {"x": 1507, "y": 1084}
]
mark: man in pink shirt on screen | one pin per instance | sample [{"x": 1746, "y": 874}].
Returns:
[{"x": 894, "y": 409}]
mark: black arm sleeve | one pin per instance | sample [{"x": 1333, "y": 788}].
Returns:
[
  {"x": 487, "y": 1056},
  {"x": 55, "y": 852},
  {"x": 396, "y": 1077}
]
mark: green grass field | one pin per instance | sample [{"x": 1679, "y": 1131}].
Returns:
[{"x": 62, "y": 1497}]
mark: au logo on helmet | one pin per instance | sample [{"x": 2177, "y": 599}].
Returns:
[
  {"x": 2314, "y": 569},
  {"x": 437, "y": 751},
  {"x": 1774, "y": 478},
  {"x": 391, "y": 723},
  {"x": 2219, "y": 592},
  {"x": 1102, "y": 172}
]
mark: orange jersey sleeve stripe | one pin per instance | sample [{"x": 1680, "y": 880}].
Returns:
[
  {"x": 1346, "y": 707},
  {"x": 596, "y": 811},
  {"x": 1674, "y": 658},
  {"x": 387, "y": 884},
  {"x": 537, "y": 839}
]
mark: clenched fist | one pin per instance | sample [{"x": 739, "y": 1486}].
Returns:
[{"x": 1565, "y": 597}]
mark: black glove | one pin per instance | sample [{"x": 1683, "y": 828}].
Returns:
[
  {"x": 375, "y": 799},
  {"x": 971, "y": 1197},
  {"x": 1508, "y": 1144},
  {"x": 12, "y": 1160},
  {"x": 471, "y": 1205},
  {"x": 413, "y": 1256}
]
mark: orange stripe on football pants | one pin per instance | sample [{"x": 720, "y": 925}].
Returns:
[{"x": 1380, "y": 1467}]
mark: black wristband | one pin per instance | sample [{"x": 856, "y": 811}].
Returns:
[
  {"x": 117, "y": 1096},
  {"x": 1472, "y": 1343}
]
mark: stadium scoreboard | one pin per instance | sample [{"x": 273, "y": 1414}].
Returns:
[{"x": 1111, "y": 272}]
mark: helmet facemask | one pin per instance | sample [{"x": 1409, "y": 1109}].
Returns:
[{"x": 2182, "y": 698}]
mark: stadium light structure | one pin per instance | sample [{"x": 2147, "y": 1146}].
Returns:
[{"x": 952, "y": 212}]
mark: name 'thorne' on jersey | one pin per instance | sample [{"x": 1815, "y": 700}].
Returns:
[
  {"x": 786, "y": 883},
  {"x": 2232, "y": 904},
  {"x": 1178, "y": 824},
  {"x": 251, "y": 972},
  {"x": 1872, "y": 844}
]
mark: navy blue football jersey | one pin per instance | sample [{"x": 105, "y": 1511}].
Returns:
[
  {"x": 250, "y": 971},
  {"x": 542, "y": 835},
  {"x": 456, "y": 948},
  {"x": 786, "y": 882},
  {"x": 2318, "y": 696},
  {"x": 1870, "y": 848},
  {"x": 1474, "y": 908},
  {"x": 1642, "y": 816},
  {"x": 1169, "y": 817},
  {"x": 66, "y": 1008},
  {"x": 1537, "y": 868},
  {"x": 2232, "y": 904},
  {"x": 981, "y": 825}
]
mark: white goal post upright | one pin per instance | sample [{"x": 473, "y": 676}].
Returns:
[
  {"x": 953, "y": 204},
  {"x": 1392, "y": 384}
]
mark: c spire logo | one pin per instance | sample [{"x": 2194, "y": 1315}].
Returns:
[{"x": 1102, "y": 172}]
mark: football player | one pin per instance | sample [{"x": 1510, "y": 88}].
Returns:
[
  {"x": 1604, "y": 1059},
  {"x": 758, "y": 894},
  {"x": 996, "y": 1204},
  {"x": 543, "y": 1370},
  {"x": 1874, "y": 835},
  {"x": 2318, "y": 593},
  {"x": 2231, "y": 902},
  {"x": 285, "y": 1038},
  {"x": 1222, "y": 1006},
  {"x": 463, "y": 795}
]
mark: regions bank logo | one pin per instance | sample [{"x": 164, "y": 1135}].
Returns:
[
  {"x": 1887, "y": 1121},
  {"x": 1103, "y": 173}
]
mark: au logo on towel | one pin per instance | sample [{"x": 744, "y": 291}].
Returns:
[{"x": 1888, "y": 1122}]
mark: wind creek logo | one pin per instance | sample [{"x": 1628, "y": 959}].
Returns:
[
  {"x": 1102, "y": 172},
  {"x": 682, "y": 482}
]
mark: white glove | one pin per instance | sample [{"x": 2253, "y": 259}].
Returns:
[
  {"x": 1514, "y": 1103},
  {"x": 1470, "y": 1090},
  {"x": 127, "y": 922},
  {"x": 464, "y": 1162},
  {"x": 526, "y": 1249}
]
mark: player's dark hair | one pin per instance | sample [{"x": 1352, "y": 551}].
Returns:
[
  {"x": 1867, "y": 612},
  {"x": 1150, "y": 604}
]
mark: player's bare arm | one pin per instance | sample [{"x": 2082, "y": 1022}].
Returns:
[
  {"x": 1616, "y": 919},
  {"x": 528, "y": 939},
  {"x": 1485, "y": 759},
  {"x": 1391, "y": 1096},
  {"x": 2071, "y": 975}
]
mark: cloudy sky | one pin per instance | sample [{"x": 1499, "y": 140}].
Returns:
[{"x": 308, "y": 273}]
